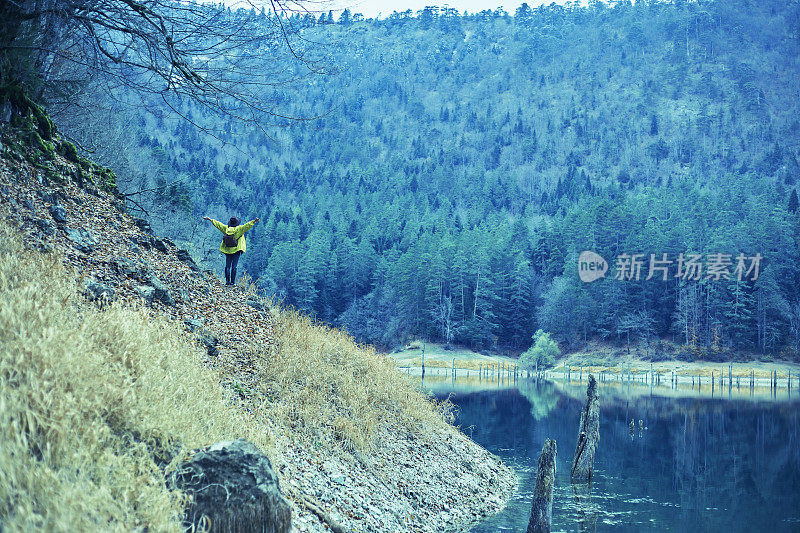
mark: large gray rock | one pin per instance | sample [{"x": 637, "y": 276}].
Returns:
[
  {"x": 154, "y": 290},
  {"x": 46, "y": 228},
  {"x": 194, "y": 324},
  {"x": 209, "y": 341},
  {"x": 233, "y": 489},
  {"x": 58, "y": 213},
  {"x": 183, "y": 256},
  {"x": 143, "y": 225},
  {"x": 128, "y": 268},
  {"x": 143, "y": 242},
  {"x": 49, "y": 197},
  {"x": 160, "y": 245},
  {"x": 81, "y": 239},
  {"x": 94, "y": 290},
  {"x": 162, "y": 293},
  {"x": 146, "y": 292},
  {"x": 588, "y": 436},
  {"x": 542, "y": 505}
]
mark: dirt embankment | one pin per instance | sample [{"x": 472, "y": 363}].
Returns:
[{"x": 346, "y": 431}]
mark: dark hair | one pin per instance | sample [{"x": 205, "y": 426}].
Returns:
[{"x": 233, "y": 221}]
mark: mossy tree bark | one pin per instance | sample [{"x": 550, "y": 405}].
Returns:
[
  {"x": 542, "y": 505},
  {"x": 588, "y": 436}
]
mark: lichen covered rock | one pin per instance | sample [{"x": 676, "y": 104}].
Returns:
[{"x": 233, "y": 489}]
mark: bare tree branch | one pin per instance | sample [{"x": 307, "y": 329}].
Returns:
[{"x": 226, "y": 62}]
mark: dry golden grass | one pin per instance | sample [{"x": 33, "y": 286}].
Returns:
[
  {"x": 92, "y": 403},
  {"x": 96, "y": 405},
  {"x": 317, "y": 378}
]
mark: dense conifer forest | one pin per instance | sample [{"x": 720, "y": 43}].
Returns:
[{"x": 448, "y": 169}]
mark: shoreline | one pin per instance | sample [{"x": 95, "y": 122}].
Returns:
[
  {"x": 467, "y": 382},
  {"x": 703, "y": 372},
  {"x": 432, "y": 480},
  {"x": 441, "y": 361},
  {"x": 631, "y": 369}
]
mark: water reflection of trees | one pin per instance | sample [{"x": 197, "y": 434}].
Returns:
[
  {"x": 701, "y": 464},
  {"x": 713, "y": 467},
  {"x": 717, "y": 454},
  {"x": 541, "y": 395}
]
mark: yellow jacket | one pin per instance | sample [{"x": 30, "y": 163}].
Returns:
[{"x": 237, "y": 232}]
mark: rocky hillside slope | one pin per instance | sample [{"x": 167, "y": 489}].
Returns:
[{"x": 351, "y": 439}]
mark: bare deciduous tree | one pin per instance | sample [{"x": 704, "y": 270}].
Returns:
[
  {"x": 444, "y": 316},
  {"x": 227, "y": 62}
]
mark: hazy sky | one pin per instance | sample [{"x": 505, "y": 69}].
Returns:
[{"x": 371, "y": 8}]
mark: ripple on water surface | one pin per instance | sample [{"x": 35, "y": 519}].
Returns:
[{"x": 701, "y": 464}]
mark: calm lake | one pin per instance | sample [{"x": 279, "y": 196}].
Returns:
[{"x": 697, "y": 463}]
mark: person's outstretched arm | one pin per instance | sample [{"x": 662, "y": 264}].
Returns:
[
  {"x": 219, "y": 225},
  {"x": 241, "y": 230}
]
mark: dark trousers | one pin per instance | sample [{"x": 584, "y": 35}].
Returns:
[{"x": 231, "y": 260}]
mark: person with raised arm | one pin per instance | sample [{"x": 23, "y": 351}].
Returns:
[{"x": 233, "y": 244}]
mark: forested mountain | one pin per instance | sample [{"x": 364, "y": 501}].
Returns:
[{"x": 452, "y": 168}]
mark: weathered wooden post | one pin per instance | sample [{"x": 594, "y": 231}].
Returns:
[
  {"x": 542, "y": 505},
  {"x": 588, "y": 436}
]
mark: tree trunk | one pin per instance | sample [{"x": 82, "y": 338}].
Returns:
[
  {"x": 542, "y": 505},
  {"x": 588, "y": 436},
  {"x": 475, "y": 307}
]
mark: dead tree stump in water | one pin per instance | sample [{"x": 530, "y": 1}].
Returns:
[
  {"x": 542, "y": 505},
  {"x": 588, "y": 436}
]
